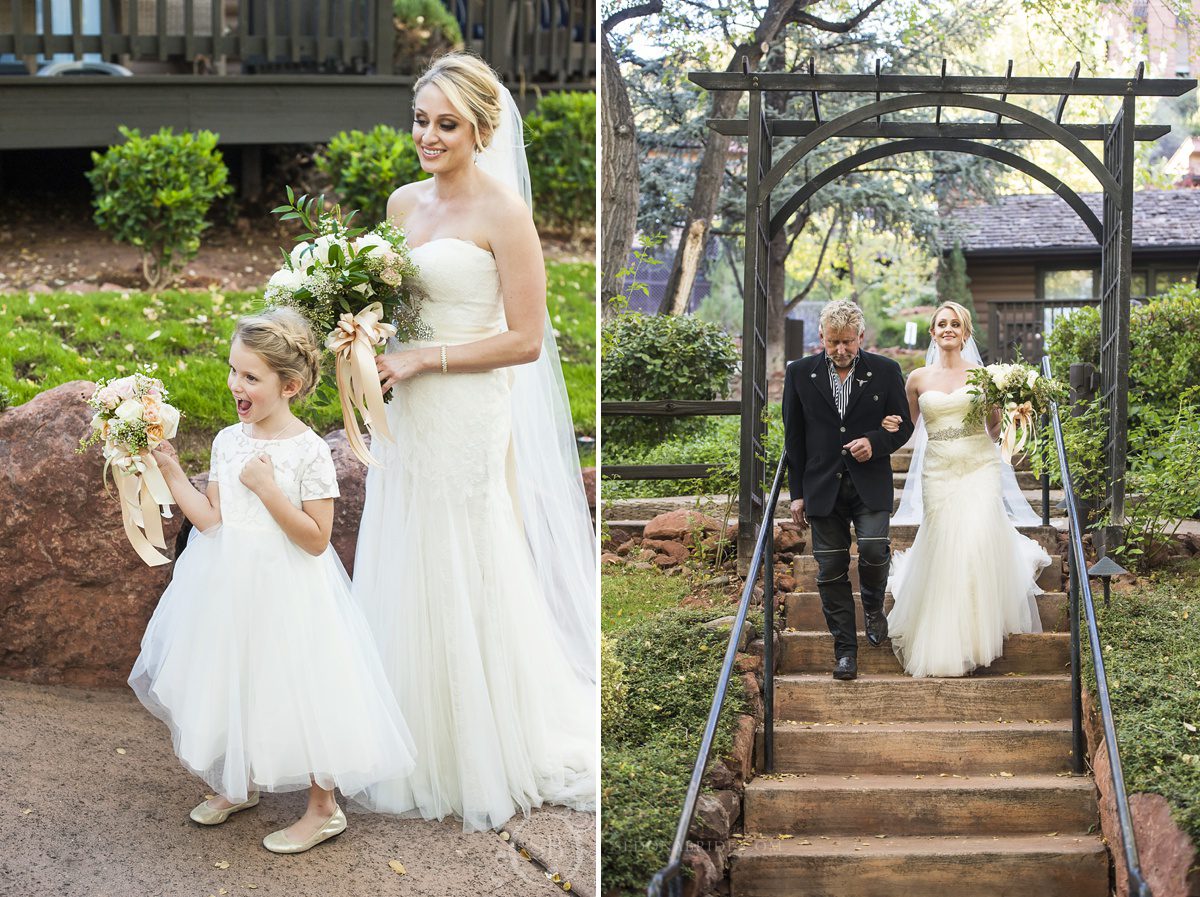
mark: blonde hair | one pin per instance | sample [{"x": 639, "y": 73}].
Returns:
[
  {"x": 964, "y": 318},
  {"x": 471, "y": 87},
  {"x": 284, "y": 340},
  {"x": 842, "y": 314}
]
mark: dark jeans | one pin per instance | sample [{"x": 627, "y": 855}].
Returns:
[{"x": 831, "y": 548}]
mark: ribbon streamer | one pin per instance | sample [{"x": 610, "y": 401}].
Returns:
[
  {"x": 1017, "y": 428},
  {"x": 142, "y": 492},
  {"x": 353, "y": 341}
]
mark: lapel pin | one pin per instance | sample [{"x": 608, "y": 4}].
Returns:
[{"x": 862, "y": 382}]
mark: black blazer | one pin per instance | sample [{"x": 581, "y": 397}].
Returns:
[{"x": 814, "y": 434}]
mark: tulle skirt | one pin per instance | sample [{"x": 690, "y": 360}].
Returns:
[
  {"x": 260, "y": 662},
  {"x": 502, "y": 722},
  {"x": 970, "y": 577}
]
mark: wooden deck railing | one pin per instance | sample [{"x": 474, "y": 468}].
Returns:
[{"x": 525, "y": 40}]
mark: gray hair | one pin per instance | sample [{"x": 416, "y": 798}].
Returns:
[{"x": 842, "y": 314}]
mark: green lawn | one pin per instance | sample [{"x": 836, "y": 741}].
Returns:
[
  {"x": 629, "y": 596},
  {"x": 52, "y": 338}
]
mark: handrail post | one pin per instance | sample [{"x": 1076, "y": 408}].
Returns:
[
  {"x": 1045, "y": 479},
  {"x": 1073, "y": 596},
  {"x": 769, "y": 642}
]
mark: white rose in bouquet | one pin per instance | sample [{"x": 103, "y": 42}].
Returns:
[
  {"x": 286, "y": 279},
  {"x": 374, "y": 242},
  {"x": 129, "y": 410},
  {"x": 1032, "y": 378}
]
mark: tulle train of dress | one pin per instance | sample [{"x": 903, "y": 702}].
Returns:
[
  {"x": 257, "y": 656},
  {"x": 443, "y": 572},
  {"x": 970, "y": 577}
]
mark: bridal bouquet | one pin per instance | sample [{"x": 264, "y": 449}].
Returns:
[
  {"x": 132, "y": 416},
  {"x": 352, "y": 284},
  {"x": 1021, "y": 393}
]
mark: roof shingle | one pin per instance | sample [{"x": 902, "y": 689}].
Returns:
[{"x": 1044, "y": 222}]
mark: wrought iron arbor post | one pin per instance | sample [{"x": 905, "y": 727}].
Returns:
[{"x": 1006, "y": 121}]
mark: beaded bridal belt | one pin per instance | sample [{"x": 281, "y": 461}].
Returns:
[{"x": 954, "y": 433}]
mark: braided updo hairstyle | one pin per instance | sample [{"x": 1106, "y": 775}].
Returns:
[
  {"x": 284, "y": 340},
  {"x": 471, "y": 87}
]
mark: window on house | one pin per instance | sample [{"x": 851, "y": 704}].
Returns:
[
  {"x": 1074, "y": 283},
  {"x": 1163, "y": 280},
  {"x": 1137, "y": 285}
]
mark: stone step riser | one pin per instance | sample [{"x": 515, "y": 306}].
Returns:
[
  {"x": 920, "y": 751},
  {"x": 812, "y": 652},
  {"x": 804, "y": 571},
  {"x": 934, "y": 811},
  {"x": 1044, "y": 874},
  {"x": 908, "y": 700},
  {"x": 802, "y": 611}
]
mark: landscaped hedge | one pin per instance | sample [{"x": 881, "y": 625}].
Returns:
[
  {"x": 1164, "y": 349},
  {"x": 671, "y": 663},
  {"x": 657, "y": 357},
  {"x": 561, "y": 137}
]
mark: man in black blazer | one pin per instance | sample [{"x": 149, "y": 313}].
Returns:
[{"x": 839, "y": 466}]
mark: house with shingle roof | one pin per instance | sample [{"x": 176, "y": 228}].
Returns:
[{"x": 1029, "y": 257}]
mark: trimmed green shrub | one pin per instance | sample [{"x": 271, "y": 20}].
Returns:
[
  {"x": 657, "y": 357},
  {"x": 367, "y": 167},
  {"x": 561, "y": 138},
  {"x": 1164, "y": 350},
  {"x": 154, "y": 193}
]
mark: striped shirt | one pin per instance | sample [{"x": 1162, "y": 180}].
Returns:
[{"x": 841, "y": 388}]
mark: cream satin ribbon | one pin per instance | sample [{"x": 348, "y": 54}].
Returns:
[
  {"x": 1018, "y": 426},
  {"x": 142, "y": 492},
  {"x": 353, "y": 341}
]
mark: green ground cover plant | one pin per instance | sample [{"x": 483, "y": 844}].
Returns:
[
  {"x": 669, "y": 666},
  {"x": 1151, "y": 643},
  {"x": 48, "y": 339}
]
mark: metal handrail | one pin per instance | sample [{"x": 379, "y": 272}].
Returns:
[
  {"x": 1080, "y": 589},
  {"x": 764, "y": 546}
]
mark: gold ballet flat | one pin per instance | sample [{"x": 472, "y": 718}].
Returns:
[
  {"x": 277, "y": 842},
  {"x": 206, "y": 815}
]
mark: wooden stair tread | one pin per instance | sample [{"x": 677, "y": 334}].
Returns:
[{"x": 922, "y": 845}]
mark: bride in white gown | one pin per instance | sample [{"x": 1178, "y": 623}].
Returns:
[
  {"x": 970, "y": 577},
  {"x": 475, "y": 562}
]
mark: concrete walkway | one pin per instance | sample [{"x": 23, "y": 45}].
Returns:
[{"x": 93, "y": 802}]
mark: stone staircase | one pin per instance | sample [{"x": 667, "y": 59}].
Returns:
[{"x": 891, "y": 785}]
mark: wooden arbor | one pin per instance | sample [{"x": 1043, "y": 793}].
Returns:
[{"x": 1006, "y": 120}]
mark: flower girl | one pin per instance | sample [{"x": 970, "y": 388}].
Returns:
[{"x": 257, "y": 657}]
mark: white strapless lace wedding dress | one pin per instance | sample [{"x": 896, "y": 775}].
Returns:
[
  {"x": 970, "y": 577},
  {"x": 446, "y": 579}
]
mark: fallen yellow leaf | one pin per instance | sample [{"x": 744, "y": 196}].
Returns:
[
  {"x": 224, "y": 864},
  {"x": 120, "y": 750},
  {"x": 1007, "y": 775},
  {"x": 505, "y": 836},
  {"x": 397, "y": 867}
]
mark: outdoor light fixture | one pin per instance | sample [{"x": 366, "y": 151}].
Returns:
[{"x": 1106, "y": 568}]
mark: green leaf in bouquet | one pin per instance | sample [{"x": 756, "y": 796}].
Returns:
[
  {"x": 278, "y": 209},
  {"x": 291, "y": 196},
  {"x": 289, "y": 216}
]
